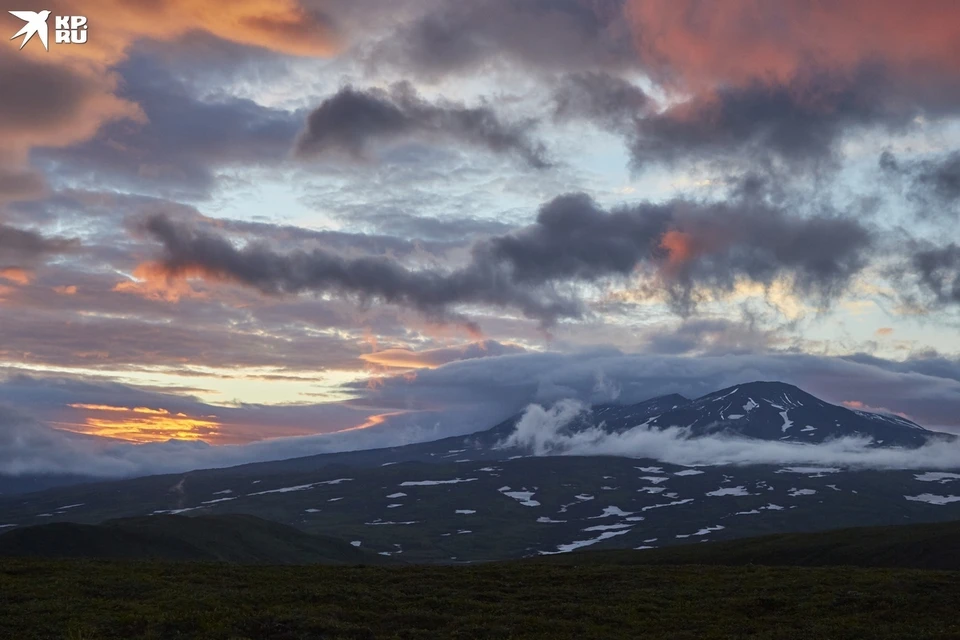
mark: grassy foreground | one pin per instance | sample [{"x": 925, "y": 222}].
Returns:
[{"x": 99, "y": 600}]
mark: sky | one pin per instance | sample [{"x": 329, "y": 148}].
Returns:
[{"x": 253, "y": 230}]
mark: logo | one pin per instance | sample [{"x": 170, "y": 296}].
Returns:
[{"x": 70, "y": 29}]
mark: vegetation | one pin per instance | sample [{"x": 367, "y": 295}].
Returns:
[
  {"x": 918, "y": 546},
  {"x": 228, "y": 538},
  {"x": 104, "y": 600}
]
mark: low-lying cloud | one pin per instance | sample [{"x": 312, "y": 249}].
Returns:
[{"x": 544, "y": 431}]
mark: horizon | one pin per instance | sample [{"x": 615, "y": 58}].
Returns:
[{"x": 323, "y": 225}]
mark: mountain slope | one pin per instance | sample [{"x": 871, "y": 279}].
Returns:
[
  {"x": 467, "y": 498},
  {"x": 778, "y": 411},
  {"x": 760, "y": 410},
  {"x": 915, "y": 546},
  {"x": 226, "y": 538},
  {"x": 480, "y": 511}
]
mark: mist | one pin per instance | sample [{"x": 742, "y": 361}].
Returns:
[{"x": 545, "y": 432}]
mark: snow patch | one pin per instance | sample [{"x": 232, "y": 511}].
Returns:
[
  {"x": 613, "y": 511},
  {"x": 541, "y": 520},
  {"x": 703, "y": 532},
  {"x": 787, "y": 422},
  {"x": 669, "y": 504},
  {"x": 930, "y": 498},
  {"x": 936, "y": 476},
  {"x": 523, "y": 497},
  {"x": 608, "y": 527},
  {"x": 819, "y": 471},
  {"x": 579, "y": 544},
  {"x": 729, "y": 491},
  {"x": 433, "y": 483}
]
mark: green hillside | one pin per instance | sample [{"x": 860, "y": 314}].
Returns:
[
  {"x": 108, "y": 600},
  {"x": 229, "y": 538},
  {"x": 916, "y": 546}
]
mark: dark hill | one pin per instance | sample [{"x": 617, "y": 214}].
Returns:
[
  {"x": 228, "y": 538},
  {"x": 914, "y": 546}
]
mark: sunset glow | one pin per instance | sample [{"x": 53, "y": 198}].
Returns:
[
  {"x": 143, "y": 424},
  {"x": 312, "y": 225}
]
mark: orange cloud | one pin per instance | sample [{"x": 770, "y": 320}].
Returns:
[
  {"x": 154, "y": 282},
  {"x": 66, "y": 291},
  {"x": 66, "y": 94},
  {"x": 679, "y": 247},
  {"x": 860, "y": 406},
  {"x": 885, "y": 331},
  {"x": 400, "y": 358},
  {"x": 16, "y": 275},
  {"x": 433, "y": 358},
  {"x": 284, "y": 26},
  {"x": 144, "y": 424},
  {"x": 695, "y": 43},
  {"x": 373, "y": 421}
]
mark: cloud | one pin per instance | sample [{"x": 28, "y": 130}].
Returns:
[
  {"x": 23, "y": 247},
  {"x": 545, "y": 432},
  {"x": 31, "y": 447},
  {"x": 286, "y": 26},
  {"x": 473, "y": 395},
  {"x": 934, "y": 183},
  {"x": 55, "y": 105},
  {"x": 433, "y": 358},
  {"x": 687, "y": 246},
  {"x": 709, "y": 336},
  {"x": 937, "y": 271},
  {"x": 926, "y": 390},
  {"x": 352, "y": 122},
  {"x": 182, "y": 142},
  {"x": 784, "y": 82},
  {"x": 601, "y": 97},
  {"x": 65, "y": 95},
  {"x": 766, "y": 123},
  {"x": 455, "y": 37},
  {"x": 700, "y": 43}
]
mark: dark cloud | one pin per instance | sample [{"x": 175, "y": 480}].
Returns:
[
  {"x": 938, "y": 273},
  {"x": 603, "y": 98},
  {"x": 352, "y": 122},
  {"x": 432, "y": 292},
  {"x": 23, "y": 247},
  {"x": 933, "y": 183},
  {"x": 684, "y": 246},
  {"x": 451, "y": 37},
  {"x": 786, "y": 82},
  {"x": 765, "y": 123},
  {"x": 713, "y": 248}
]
